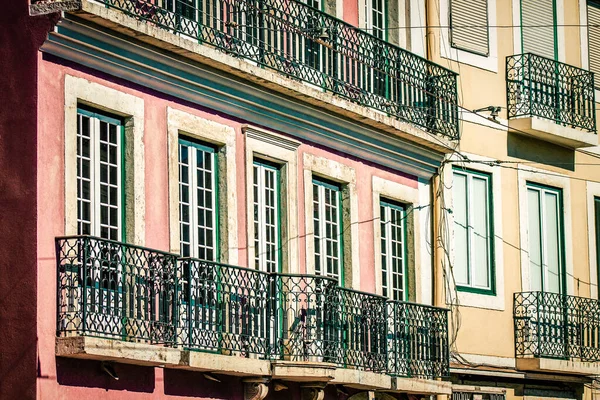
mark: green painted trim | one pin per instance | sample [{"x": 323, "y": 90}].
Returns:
[
  {"x": 597, "y": 226},
  {"x": 105, "y": 117},
  {"x": 403, "y": 209},
  {"x": 561, "y": 228},
  {"x": 491, "y": 291},
  {"x": 123, "y": 183}
]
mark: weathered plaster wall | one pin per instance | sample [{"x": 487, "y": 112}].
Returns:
[{"x": 20, "y": 38}]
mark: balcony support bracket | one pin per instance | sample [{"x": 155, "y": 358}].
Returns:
[
  {"x": 313, "y": 391},
  {"x": 256, "y": 388}
]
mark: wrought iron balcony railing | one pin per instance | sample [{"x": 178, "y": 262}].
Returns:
[
  {"x": 115, "y": 290},
  {"x": 118, "y": 291},
  {"x": 312, "y": 46},
  {"x": 551, "y": 325},
  {"x": 541, "y": 87}
]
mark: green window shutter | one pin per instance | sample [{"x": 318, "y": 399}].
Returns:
[
  {"x": 593, "y": 12},
  {"x": 538, "y": 27},
  {"x": 469, "y": 25}
]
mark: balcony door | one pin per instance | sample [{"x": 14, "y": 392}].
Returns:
[
  {"x": 546, "y": 243},
  {"x": 538, "y": 28},
  {"x": 597, "y": 220}
]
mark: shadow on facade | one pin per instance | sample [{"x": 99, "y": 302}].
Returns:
[
  {"x": 538, "y": 151},
  {"x": 89, "y": 373}
]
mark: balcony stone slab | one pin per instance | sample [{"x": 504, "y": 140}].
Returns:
[
  {"x": 91, "y": 348},
  {"x": 421, "y": 386},
  {"x": 558, "y": 366},
  {"x": 303, "y": 371},
  {"x": 365, "y": 380},
  {"x": 552, "y": 132},
  {"x": 226, "y": 364},
  {"x": 181, "y": 45}
]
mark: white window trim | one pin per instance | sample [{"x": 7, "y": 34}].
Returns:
[
  {"x": 489, "y": 62},
  {"x": 181, "y": 122},
  {"x": 477, "y": 300},
  {"x": 560, "y": 20},
  {"x": 412, "y": 197},
  {"x": 338, "y": 172},
  {"x": 592, "y": 190},
  {"x": 266, "y": 145},
  {"x": 81, "y": 91},
  {"x": 526, "y": 174}
]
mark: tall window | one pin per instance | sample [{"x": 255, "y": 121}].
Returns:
[
  {"x": 375, "y": 17},
  {"x": 546, "y": 249},
  {"x": 593, "y": 14},
  {"x": 198, "y": 200},
  {"x": 393, "y": 251},
  {"x": 99, "y": 175},
  {"x": 266, "y": 217},
  {"x": 538, "y": 21},
  {"x": 328, "y": 229},
  {"x": 469, "y": 25},
  {"x": 473, "y": 232}
]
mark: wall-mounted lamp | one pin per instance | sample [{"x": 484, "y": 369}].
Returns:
[{"x": 493, "y": 110}]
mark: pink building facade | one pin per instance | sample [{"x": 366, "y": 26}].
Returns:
[{"x": 209, "y": 228}]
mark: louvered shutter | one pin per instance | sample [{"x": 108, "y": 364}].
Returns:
[
  {"x": 469, "y": 25},
  {"x": 537, "y": 18},
  {"x": 593, "y": 11}
]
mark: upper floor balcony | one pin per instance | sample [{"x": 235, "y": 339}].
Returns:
[
  {"x": 551, "y": 100},
  {"x": 313, "y": 52},
  {"x": 557, "y": 333},
  {"x": 136, "y": 305}
]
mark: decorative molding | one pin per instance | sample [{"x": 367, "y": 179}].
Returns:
[
  {"x": 50, "y": 6},
  {"x": 270, "y": 138},
  {"x": 256, "y": 388},
  {"x": 95, "y": 48}
]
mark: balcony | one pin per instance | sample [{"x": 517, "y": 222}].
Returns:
[
  {"x": 557, "y": 333},
  {"x": 551, "y": 101},
  {"x": 135, "y": 305},
  {"x": 307, "y": 45}
]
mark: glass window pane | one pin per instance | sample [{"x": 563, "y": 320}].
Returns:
[
  {"x": 480, "y": 236},
  {"x": 535, "y": 240},
  {"x": 552, "y": 239},
  {"x": 461, "y": 242}
]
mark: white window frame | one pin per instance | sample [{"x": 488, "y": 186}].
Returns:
[
  {"x": 223, "y": 137},
  {"x": 470, "y": 174},
  {"x": 527, "y": 173},
  {"x": 95, "y": 180},
  {"x": 194, "y": 244},
  {"x": 283, "y": 151},
  {"x": 330, "y": 170},
  {"x": 262, "y": 251},
  {"x": 489, "y": 62},
  {"x": 79, "y": 91},
  {"x": 482, "y": 164},
  {"x": 386, "y": 238},
  {"x": 322, "y": 187},
  {"x": 419, "y": 267}
]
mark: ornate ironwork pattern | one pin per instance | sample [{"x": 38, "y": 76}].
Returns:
[
  {"x": 557, "y": 326},
  {"x": 417, "y": 340},
  {"x": 312, "y": 46},
  {"x": 541, "y": 87},
  {"x": 304, "y": 330},
  {"x": 119, "y": 291},
  {"x": 115, "y": 290}
]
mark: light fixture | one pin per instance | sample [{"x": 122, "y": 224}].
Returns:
[
  {"x": 493, "y": 110},
  {"x": 109, "y": 370}
]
